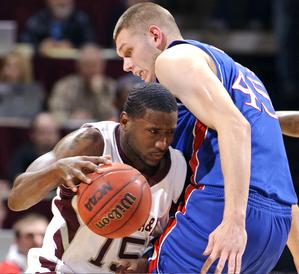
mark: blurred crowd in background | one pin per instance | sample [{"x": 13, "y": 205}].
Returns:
[{"x": 58, "y": 70}]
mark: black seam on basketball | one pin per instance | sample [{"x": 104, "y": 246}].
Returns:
[
  {"x": 101, "y": 175},
  {"x": 138, "y": 175},
  {"x": 144, "y": 182}
]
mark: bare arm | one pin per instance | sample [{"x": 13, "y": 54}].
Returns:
[
  {"x": 63, "y": 165},
  {"x": 289, "y": 122},
  {"x": 293, "y": 239},
  {"x": 197, "y": 86}
]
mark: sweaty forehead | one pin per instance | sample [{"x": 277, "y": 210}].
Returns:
[
  {"x": 125, "y": 38},
  {"x": 159, "y": 119}
]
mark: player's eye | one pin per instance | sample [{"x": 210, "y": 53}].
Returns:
[
  {"x": 153, "y": 131},
  {"x": 128, "y": 53}
]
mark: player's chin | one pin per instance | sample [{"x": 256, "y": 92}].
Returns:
[
  {"x": 149, "y": 78},
  {"x": 153, "y": 161}
]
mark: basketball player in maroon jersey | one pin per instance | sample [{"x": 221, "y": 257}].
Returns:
[{"x": 142, "y": 140}]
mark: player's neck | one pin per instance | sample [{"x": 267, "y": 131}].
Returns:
[{"x": 172, "y": 38}]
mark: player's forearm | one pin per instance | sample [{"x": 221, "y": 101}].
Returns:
[
  {"x": 289, "y": 122},
  {"x": 31, "y": 187},
  {"x": 235, "y": 152},
  {"x": 293, "y": 238}
]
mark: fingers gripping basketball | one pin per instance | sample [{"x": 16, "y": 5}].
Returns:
[{"x": 116, "y": 203}]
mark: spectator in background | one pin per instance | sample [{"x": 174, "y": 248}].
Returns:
[
  {"x": 87, "y": 95},
  {"x": 29, "y": 233},
  {"x": 59, "y": 25},
  {"x": 124, "y": 85},
  {"x": 4, "y": 190},
  {"x": 20, "y": 96},
  {"x": 286, "y": 28},
  {"x": 3, "y": 212},
  {"x": 244, "y": 14},
  {"x": 43, "y": 136}
]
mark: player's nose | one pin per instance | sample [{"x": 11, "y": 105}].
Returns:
[
  {"x": 127, "y": 65},
  {"x": 162, "y": 144}
]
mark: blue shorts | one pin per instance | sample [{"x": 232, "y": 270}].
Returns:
[{"x": 180, "y": 248}]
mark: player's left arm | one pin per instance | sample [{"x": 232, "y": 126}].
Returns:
[
  {"x": 189, "y": 74},
  {"x": 289, "y": 122}
]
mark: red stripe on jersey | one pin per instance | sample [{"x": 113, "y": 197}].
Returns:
[
  {"x": 154, "y": 259},
  {"x": 199, "y": 132},
  {"x": 157, "y": 245}
]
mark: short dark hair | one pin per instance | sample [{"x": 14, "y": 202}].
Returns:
[
  {"x": 149, "y": 96},
  {"x": 141, "y": 15}
]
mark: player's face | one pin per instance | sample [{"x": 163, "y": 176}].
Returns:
[
  {"x": 148, "y": 138},
  {"x": 139, "y": 53}
]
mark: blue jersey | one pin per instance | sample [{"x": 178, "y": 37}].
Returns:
[{"x": 270, "y": 174}]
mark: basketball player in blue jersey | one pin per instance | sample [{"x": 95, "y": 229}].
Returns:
[
  {"x": 142, "y": 140},
  {"x": 237, "y": 212}
]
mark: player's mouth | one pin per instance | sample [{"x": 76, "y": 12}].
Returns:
[{"x": 157, "y": 156}]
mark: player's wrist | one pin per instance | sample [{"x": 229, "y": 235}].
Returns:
[
  {"x": 55, "y": 173},
  {"x": 237, "y": 217}
]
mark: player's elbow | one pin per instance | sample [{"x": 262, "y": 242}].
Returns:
[
  {"x": 13, "y": 203},
  {"x": 243, "y": 128},
  {"x": 16, "y": 205},
  {"x": 237, "y": 127}
]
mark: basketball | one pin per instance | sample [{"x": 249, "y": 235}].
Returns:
[{"x": 116, "y": 203}]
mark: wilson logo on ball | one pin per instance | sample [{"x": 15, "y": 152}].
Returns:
[
  {"x": 116, "y": 203},
  {"x": 117, "y": 212},
  {"x": 97, "y": 196}
]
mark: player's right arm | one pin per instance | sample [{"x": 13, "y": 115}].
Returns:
[
  {"x": 289, "y": 122},
  {"x": 191, "y": 76},
  {"x": 69, "y": 161}
]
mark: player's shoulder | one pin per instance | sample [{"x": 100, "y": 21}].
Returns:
[
  {"x": 172, "y": 62},
  {"x": 180, "y": 52},
  {"x": 176, "y": 153},
  {"x": 101, "y": 126},
  {"x": 177, "y": 172},
  {"x": 177, "y": 158},
  {"x": 84, "y": 141}
]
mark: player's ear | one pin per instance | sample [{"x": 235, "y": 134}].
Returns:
[
  {"x": 123, "y": 120},
  {"x": 156, "y": 34}
]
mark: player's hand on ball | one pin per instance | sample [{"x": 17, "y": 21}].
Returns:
[{"x": 72, "y": 170}]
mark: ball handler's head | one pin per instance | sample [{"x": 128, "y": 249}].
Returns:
[{"x": 147, "y": 124}]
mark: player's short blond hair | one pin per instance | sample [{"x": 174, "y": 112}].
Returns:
[{"x": 140, "y": 16}]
